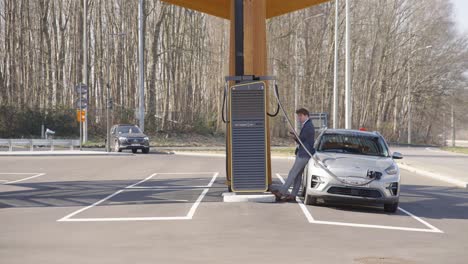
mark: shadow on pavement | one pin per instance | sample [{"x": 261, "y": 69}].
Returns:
[
  {"x": 84, "y": 193},
  {"x": 423, "y": 201}
]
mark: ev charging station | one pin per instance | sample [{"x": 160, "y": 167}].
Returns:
[
  {"x": 248, "y": 132},
  {"x": 245, "y": 111}
]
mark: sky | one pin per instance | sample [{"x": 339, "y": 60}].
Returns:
[{"x": 461, "y": 14}]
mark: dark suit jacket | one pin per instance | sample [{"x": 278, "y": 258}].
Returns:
[{"x": 307, "y": 137}]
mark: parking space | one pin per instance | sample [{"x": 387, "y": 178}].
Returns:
[
  {"x": 337, "y": 214},
  {"x": 159, "y": 197},
  {"x": 150, "y": 208}
]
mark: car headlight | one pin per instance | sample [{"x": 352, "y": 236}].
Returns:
[
  {"x": 146, "y": 138},
  {"x": 122, "y": 139},
  {"x": 392, "y": 170}
]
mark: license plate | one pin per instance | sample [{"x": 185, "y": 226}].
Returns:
[
  {"x": 355, "y": 182},
  {"x": 135, "y": 144},
  {"x": 358, "y": 183}
]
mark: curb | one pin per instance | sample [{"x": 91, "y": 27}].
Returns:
[
  {"x": 433, "y": 175},
  {"x": 58, "y": 154},
  {"x": 446, "y": 152}
]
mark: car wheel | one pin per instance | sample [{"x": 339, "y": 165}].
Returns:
[
  {"x": 391, "y": 208},
  {"x": 145, "y": 150},
  {"x": 134, "y": 151},
  {"x": 117, "y": 147},
  {"x": 308, "y": 200}
]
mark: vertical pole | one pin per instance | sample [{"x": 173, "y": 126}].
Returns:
[
  {"x": 348, "y": 117},
  {"x": 335, "y": 73},
  {"x": 79, "y": 118},
  {"x": 239, "y": 36},
  {"x": 108, "y": 96},
  {"x": 248, "y": 55},
  {"x": 85, "y": 65},
  {"x": 141, "y": 70},
  {"x": 409, "y": 103},
  {"x": 296, "y": 83},
  {"x": 108, "y": 119},
  {"x": 453, "y": 127}
]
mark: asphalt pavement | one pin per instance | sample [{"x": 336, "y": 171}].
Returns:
[
  {"x": 162, "y": 208},
  {"x": 436, "y": 163}
]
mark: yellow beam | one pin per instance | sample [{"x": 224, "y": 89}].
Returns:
[
  {"x": 222, "y": 8},
  {"x": 219, "y": 8},
  {"x": 281, "y": 7}
]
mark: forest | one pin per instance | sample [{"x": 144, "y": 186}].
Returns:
[{"x": 395, "y": 45}]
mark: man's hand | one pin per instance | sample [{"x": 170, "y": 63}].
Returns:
[{"x": 292, "y": 136}]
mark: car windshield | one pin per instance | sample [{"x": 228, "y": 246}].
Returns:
[
  {"x": 129, "y": 130},
  {"x": 353, "y": 144}
]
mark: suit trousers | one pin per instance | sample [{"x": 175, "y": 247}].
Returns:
[{"x": 295, "y": 176}]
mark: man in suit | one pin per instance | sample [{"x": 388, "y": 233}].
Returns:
[{"x": 302, "y": 158}]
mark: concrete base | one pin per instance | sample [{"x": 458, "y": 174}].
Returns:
[{"x": 256, "y": 198}]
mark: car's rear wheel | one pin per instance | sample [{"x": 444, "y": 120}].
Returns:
[
  {"x": 145, "y": 150},
  {"x": 391, "y": 207},
  {"x": 309, "y": 200},
  {"x": 134, "y": 151},
  {"x": 117, "y": 147}
]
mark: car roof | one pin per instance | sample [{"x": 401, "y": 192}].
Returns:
[{"x": 351, "y": 132}]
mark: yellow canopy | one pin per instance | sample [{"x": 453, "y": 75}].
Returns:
[{"x": 222, "y": 8}]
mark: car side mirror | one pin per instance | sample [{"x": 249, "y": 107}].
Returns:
[{"x": 397, "y": 155}]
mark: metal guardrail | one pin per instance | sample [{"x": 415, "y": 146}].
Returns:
[{"x": 39, "y": 142}]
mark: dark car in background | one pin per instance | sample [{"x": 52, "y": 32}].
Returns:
[{"x": 125, "y": 136}]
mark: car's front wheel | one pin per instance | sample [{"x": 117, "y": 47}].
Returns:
[
  {"x": 391, "y": 207},
  {"x": 145, "y": 150},
  {"x": 309, "y": 200}
]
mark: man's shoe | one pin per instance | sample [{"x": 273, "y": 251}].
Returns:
[
  {"x": 277, "y": 194},
  {"x": 290, "y": 198}
]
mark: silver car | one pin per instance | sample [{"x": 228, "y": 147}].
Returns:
[{"x": 352, "y": 166}]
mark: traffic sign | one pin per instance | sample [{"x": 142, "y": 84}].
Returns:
[
  {"x": 80, "y": 115},
  {"x": 81, "y": 103},
  {"x": 81, "y": 89}
]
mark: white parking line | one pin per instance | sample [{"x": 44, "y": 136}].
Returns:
[
  {"x": 189, "y": 216},
  {"x": 169, "y": 187},
  {"x": 306, "y": 212},
  {"x": 310, "y": 219},
  {"x": 200, "y": 198},
  {"x": 142, "y": 181},
  {"x": 435, "y": 229},
  {"x": 67, "y": 218},
  {"x": 35, "y": 175},
  {"x": 185, "y": 173},
  {"x": 377, "y": 226},
  {"x": 18, "y": 173}
]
